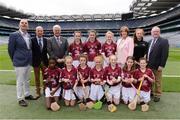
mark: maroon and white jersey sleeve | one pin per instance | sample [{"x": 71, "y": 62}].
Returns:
[
  {"x": 71, "y": 75},
  {"x": 146, "y": 85},
  {"x": 97, "y": 74},
  {"x": 112, "y": 73},
  {"x": 75, "y": 50},
  {"x": 85, "y": 74},
  {"x": 109, "y": 49},
  {"x": 92, "y": 49}
]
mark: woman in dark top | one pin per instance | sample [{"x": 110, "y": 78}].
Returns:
[{"x": 140, "y": 46}]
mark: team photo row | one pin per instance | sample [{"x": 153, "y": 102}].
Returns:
[{"x": 89, "y": 73}]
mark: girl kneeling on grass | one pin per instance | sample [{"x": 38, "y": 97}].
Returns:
[
  {"x": 128, "y": 92},
  {"x": 97, "y": 80},
  {"x": 148, "y": 78},
  {"x": 51, "y": 81},
  {"x": 113, "y": 76},
  {"x": 83, "y": 86},
  {"x": 69, "y": 78}
]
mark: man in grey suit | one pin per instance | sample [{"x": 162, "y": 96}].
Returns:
[
  {"x": 157, "y": 56},
  {"x": 57, "y": 46},
  {"x": 19, "y": 49}
]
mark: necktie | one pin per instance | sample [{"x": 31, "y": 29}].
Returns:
[
  {"x": 152, "y": 46},
  {"x": 59, "y": 41},
  {"x": 40, "y": 44}
]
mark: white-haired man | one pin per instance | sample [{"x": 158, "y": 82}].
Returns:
[
  {"x": 157, "y": 56},
  {"x": 57, "y": 46}
]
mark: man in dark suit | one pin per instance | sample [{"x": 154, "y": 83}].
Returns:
[
  {"x": 19, "y": 49},
  {"x": 57, "y": 46},
  {"x": 157, "y": 56},
  {"x": 39, "y": 57}
]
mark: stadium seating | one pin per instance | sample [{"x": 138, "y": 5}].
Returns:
[{"x": 169, "y": 21}]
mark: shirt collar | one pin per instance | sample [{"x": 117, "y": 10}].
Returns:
[
  {"x": 38, "y": 38},
  {"x": 57, "y": 37},
  {"x": 23, "y": 33}
]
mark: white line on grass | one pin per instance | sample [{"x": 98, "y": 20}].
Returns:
[{"x": 176, "y": 76}]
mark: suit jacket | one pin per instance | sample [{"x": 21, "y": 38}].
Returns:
[
  {"x": 159, "y": 54},
  {"x": 18, "y": 51},
  {"x": 56, "y": 51},
  {"x": 39, "y": 56}
]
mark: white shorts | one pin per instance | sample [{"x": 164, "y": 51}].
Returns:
[
  {"x": 128, "y": 94},
  {"x": 145, "y": 96},
  {"x": 91, "y": 64},
  {"x": 114, "y": 92},
  {"x": 75, "y": 63},
  {"x": 82, "y": 92},
  {"x": 68, "y": 94},
  {"x": 96, "y": 92},
  {"x": 47, "y": 92}
]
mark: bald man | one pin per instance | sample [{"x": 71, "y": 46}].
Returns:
[
  {"x": 157, "y": 56},
  {"x": 19, "y": 49},
  {"x": 39, "y": 57},
  {"x": 57, "y": 46}
]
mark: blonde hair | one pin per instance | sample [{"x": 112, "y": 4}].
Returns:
[
  {"x": 68, "y": 57},
  {"x": 100, "y": 57},
  {"x": 109, "y": 32},
  {"x": 112, "y": 56}
]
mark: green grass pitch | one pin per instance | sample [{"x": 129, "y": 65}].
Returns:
[{"x": 167, "y": 108}]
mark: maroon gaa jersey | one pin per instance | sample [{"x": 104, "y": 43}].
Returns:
[
  {"x": 71, "y": 75},
  {"x": 109, "y": 49},
  {"x": 146, "y": 85},
  {"x": 52, "y": 77},
  {"x": 76, "y": 50},
  {"x": 112, "y": 73},
  {"x": 97, "y": 74},
  {"x": 127, "y": 74},
  {"x": 93, "y": 49},
  {"x": 84, "y": 73}
]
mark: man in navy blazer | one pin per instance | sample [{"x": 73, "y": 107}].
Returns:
[
  {"x": 39, "y": 57},
  {"x": 157, "y": 56},
  {"x": 19, "y": 49}
]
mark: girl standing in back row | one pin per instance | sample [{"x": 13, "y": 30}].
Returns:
[
  {"x": 92, "y": 48},
  {"x": 76, "y": 48},
  {"x": 108, "y": 48}
]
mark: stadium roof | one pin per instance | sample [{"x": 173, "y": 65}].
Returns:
[
  {"x": 152, "y": 7},
  {"x": 139, "y": 8},
  {"x": 12, "y": 13},
  {"x": 9, "y": 12},
  {"x": 84, "y": 17}
]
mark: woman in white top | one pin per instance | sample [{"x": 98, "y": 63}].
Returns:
[{"x": 125, "y": 46}]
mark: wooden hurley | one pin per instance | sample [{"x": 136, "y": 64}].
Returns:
[{"x": 132, "y": 105}]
